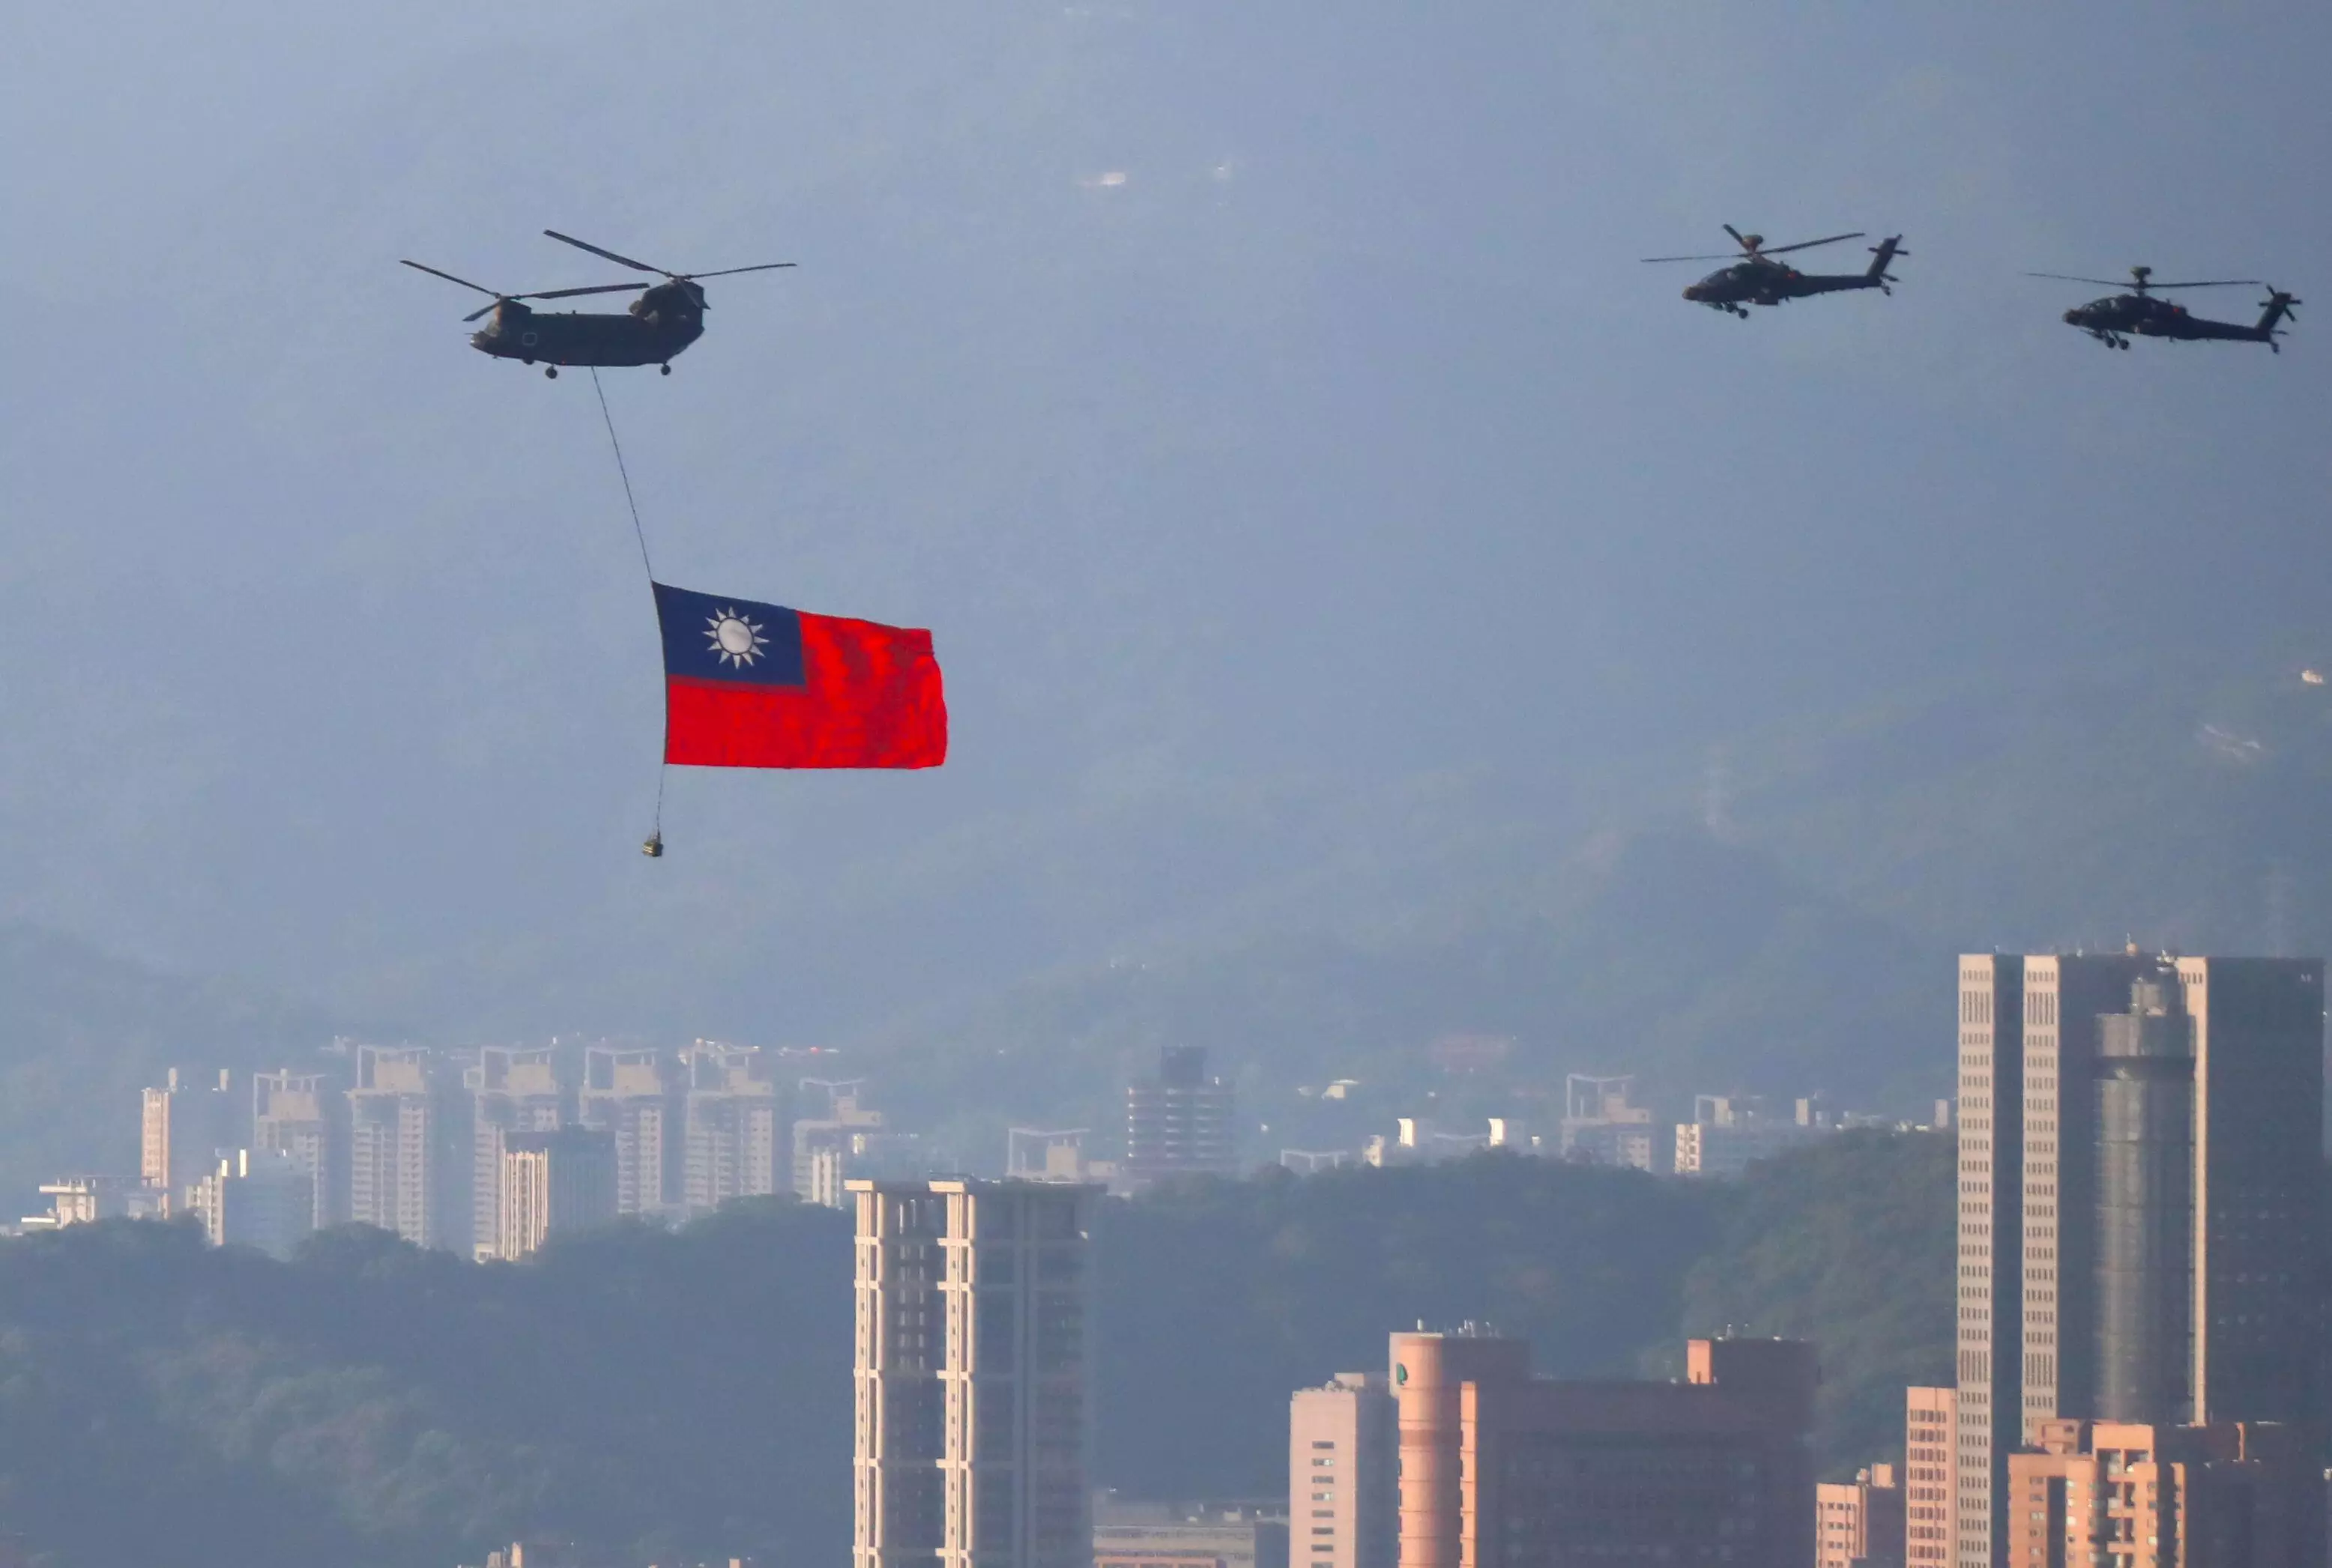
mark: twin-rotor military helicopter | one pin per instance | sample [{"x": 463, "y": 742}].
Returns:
[
  {"x": 1756, "y": 277},
  {"x": 665, "y": 319}
]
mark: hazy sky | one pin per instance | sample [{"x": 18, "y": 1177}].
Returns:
[{"x": 1341, "y": 440}]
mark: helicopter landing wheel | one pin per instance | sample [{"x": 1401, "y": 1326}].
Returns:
[
  {"x": 664, "y": 370},
  {"x": 550, "y": 372}
]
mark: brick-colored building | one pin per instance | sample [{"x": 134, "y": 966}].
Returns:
[
  {"x": 1858, "y": 1523},
  {"x": 2120, "y": 1495},
  {"x": 1930, "y": 1438},
  {"x": 1500, "y": 1470}
]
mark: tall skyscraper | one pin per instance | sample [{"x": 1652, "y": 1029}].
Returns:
[
  {"x": 974, "y": 1422},
  {"x": 1180, "y": 1123},
  {"x": 551, "y": 1183},
  {"x": 1343, "y": 1480},
  {"x": 297, "y": 1114},
  {"x": 639, "y": 1096},
  {"x": 513, "y": 1089},
  {"x": 409, "y": 1147},
  {"x": 1991, "y": 1244},
  {"x": 2140, "y": 1225},
  {"x": 739, "y": 1127}
]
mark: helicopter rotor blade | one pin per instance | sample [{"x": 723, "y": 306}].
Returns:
[
  {"x": 2070, "y": 278},
  {"x": 624, "y": 260},
  {"x": 451, "y": 278},
  {"x": 2210, "y": 284},
  {"x": 593, "y": 289},
  {"x": 1737, "y": 240},
  {"x": 482, "y": 310},
  {"x": 729, "y": 272},
  {"x": 1809, "y": 244},
  {"x": 1726, "y": 258}
]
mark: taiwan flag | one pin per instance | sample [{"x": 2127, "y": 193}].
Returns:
[{"x": 750, "y": 684}]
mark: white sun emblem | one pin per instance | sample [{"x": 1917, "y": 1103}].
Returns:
[{"x": 735, "y": 640}]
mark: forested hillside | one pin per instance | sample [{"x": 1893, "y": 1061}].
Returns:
[{"x": 689, "y": 1391}]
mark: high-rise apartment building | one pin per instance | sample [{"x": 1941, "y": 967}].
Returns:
[
  {"x": 1858, "y": 1523},
  {"x": 973, "y": 1427},
  {"x": 2140, "y": 1225},
  {"x": 549, "y": 1183},
  {"x": 639, "y": 1094},
  {"x": 1501, "y": 1469},
  {"x": 822, "y": 1143},
  {"x": 1344, "y": 1482},
  {"x": 255, "y": 1199},
  {"x": 739, "y": 1127},
  {"x": 409, "y": 1147},
  {"x": 513, "y": 1089},
  {"x": 1182, "y": 1122},
  {"x": 301, "y": 1117},
  {"x": 185, "y": 1126},
  {"x": 2135, "y": 1495},
  {"x": 1930, "y": 1452}
]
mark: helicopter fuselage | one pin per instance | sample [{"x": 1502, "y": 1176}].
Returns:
[
  {"x": 1770, "y": 283},
  {"x": 2119, "y": 316},
  {"x": 660, "y": 323},
  {"x": 1760, "y": 280}
]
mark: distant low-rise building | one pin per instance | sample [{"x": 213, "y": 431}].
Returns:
[
  {"x": 1228, "y": 1533},
  {"x": 1727, "y": 1132},
  {"x": 1603, "y": 1125},
  {"x": 80, "y": 1199}
]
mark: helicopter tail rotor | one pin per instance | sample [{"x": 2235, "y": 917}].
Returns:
[
  {"x": 2276, "y": 307},
  {"x": 1883, "y": 253}
]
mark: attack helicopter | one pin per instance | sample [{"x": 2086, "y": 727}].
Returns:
[
  {"x": 2117, "y": 318},
  {"x": 665, "y": 319},
  {"x": 1754, "y": 278}
]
